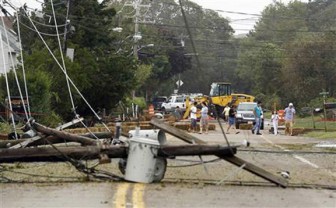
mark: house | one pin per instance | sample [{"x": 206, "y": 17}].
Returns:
[{"x": 8, "y": 51}]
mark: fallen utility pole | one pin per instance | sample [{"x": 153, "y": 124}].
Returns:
[
  {"x": 52, "y": 139},
  {"x": 50, "y": 154},
  {"x": 230, "y": 158},
  {"x": 64, "y": 135}
]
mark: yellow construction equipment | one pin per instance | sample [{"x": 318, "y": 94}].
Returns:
[{"x": 220, "y": 96}]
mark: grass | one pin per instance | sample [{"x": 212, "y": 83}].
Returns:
[
  {"x": 317, "y": 127},
  {"x": 321, "y": 134},
  {"x": 317, "y": 123}
]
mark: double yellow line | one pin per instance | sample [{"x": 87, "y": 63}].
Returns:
[{"x": 120, "y": 198}]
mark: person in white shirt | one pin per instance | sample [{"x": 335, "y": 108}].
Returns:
[
  {"x": 193, "y": 118},
  {"x": 226, "y": 113},
  {"x": 275, "y": 120},
  {"x": 204, "y": 118},
  {"x": 289, "y": 119}
]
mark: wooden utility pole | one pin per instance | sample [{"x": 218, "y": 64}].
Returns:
[
  {"x": 59, "y": 154},
  {"x": 64, "y": 135},
  {"x": 232, "y": 159},
  {"x": 53, "y": 140}
]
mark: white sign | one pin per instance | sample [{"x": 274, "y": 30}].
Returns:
[{"x": 179, "y": 83}]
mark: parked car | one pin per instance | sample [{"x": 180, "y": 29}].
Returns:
[
  {"x": 245, "y": 114},
  {"x": 157, "y": 102}
]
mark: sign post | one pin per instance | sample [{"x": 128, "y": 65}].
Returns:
[
  {"x": 324, "y": 94},
  {"x": 179, "y": 83}
]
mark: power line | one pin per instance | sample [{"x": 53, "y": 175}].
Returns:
[{"x": 209, "y": 27}]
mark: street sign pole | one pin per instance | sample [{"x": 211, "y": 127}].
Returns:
[
  {"x": 179, "y": 83},
  {"x": 324, "y": 94}
]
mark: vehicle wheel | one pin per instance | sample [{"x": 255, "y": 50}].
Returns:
[
  {"x": 122, "y": 165},
  {"x": 160, "y": 169},
  {"x": 163, "y": 110},
  {"x": 237, "y": 125}
]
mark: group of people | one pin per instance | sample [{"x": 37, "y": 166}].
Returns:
[
  {"x": 204, "y": 121},
  {"x": 230, "y": 115},
  {"x": 289, "y": 112}
]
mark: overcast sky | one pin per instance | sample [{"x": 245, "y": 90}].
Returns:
[{"x": 241, "y": 23}]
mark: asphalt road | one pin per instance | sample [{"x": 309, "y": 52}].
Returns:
[{"x": 103, "y": 195}]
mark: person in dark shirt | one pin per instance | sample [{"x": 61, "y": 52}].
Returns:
[{"x": 232, "y": 119}]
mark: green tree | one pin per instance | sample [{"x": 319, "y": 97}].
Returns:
[
  {"x": 310, "y": 67},
  {"x": 289, "y": 55},
  {"x": 102, "y": 77}
]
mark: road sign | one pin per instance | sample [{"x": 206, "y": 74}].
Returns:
[{"x": 179, "y": 83}]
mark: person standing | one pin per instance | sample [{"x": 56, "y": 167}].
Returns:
[
  {"x": 232, "y": 119},
  {"x": 204, "y": 118},
  {"x": 226, "y": 113},
  {"x": 193, "y": 118},
  {"x": 289, "y": 119},
  {"x": 275, "y": 120},
  {"x": 257, "y": 111},
  {"x": 177, "y": 113}
]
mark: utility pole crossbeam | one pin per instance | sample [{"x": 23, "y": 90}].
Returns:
[{"x": 137, "y": 6}]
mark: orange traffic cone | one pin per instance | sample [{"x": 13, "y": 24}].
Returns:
[{"x": 151, "y": 110}]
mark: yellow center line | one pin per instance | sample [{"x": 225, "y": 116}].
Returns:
[
  {"x": 120, "y": 196},
  {"x": 138, "y": 195}
]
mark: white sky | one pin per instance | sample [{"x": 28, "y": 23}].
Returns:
[{"x": 239, "y": 22}]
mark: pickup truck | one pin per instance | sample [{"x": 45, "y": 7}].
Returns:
[{"x": 174, "y": 101}]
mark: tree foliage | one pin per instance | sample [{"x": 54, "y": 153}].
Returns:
[
  {"x": 288, "y": 57},
  {"x": 290, "y": 54},
  {"x": 102, "y": 77}
]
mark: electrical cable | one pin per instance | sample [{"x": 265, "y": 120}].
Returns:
[
  {"x": 63, "y": 62},
  {"x": 50, "y": 26},
  {"x": 215, "y": 28},
  {"x": 7, "y": 86},
  {"x": 23, "y": 68},
  {"x": 83, "y": 168},
  {"x": 72, "y": 83},
  {"x": 194, "y": 164},
  {"x": 190, "y": 35},
  {"x": 66, "y": 76},
  {"x": 3, "y": 169},
  {"x": 14, "y": 70},
  {"x": 285, "y": 152},
  {"x": 46, "y": 34}
]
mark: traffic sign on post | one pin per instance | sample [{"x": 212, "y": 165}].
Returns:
[{"x": 179, "y": 83}]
